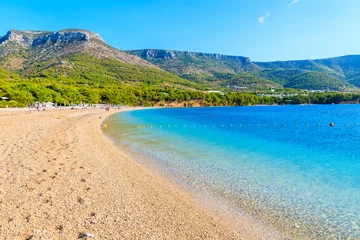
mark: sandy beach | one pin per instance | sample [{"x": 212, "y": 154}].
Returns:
[{"x": 60, "y": 177}]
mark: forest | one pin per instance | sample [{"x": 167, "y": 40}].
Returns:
[
  {"x": 85, "y": 79},
  {"x": 23, "y": 93}
]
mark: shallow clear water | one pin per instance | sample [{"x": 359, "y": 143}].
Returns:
[{"x": 283, "y": 164}]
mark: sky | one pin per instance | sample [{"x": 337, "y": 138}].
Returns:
[{"x": 263, "y": 30}]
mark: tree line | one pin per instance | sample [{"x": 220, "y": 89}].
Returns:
[{"x": 22, "y": 93}]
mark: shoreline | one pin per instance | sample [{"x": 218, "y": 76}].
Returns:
[
  {"x": 305, "y": 228},
  {"x": 224, "y": 211},
  {"x": 60, "y": 177}
]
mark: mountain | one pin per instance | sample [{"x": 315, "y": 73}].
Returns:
[
  {"x": 83, "y": 57},
  {"x": 80, "y": 55},
  {"x": 183, "y": 63},
  {"x": 216, "y": 69},
  {"x": 344, "y": 68},
  {"x": 76, "y": 66},
  {"x": 334, "y": 73},
  {"x": 29, "y": 47}
]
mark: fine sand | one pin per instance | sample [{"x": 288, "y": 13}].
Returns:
[{"x": 60, "y": 177}]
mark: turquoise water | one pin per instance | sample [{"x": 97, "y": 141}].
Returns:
[{"x": 282, "y": 164}]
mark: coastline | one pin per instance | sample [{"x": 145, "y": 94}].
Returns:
[
  {"x": 225, "y": 212},
  {"x": 60, "y": 177}
]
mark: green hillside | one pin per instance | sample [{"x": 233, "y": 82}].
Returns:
[
  {"x": 204, "y": 68},
  {"x": 23, "y": 91},
  {"x": 181, "y": 62},
  {"x": 316, "y": 81},
  {"x": 343, "y": 68},
  {"x": 82, "y": 57},
  {"x": 242, "y": 81},
  {"x": 74, "y": 66},
  {"x": 87, "y": 69},
  {"x": 280, "y": 76},
  {"x": 211, "y": 68}
]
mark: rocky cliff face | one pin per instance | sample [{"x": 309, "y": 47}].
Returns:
[
  {"x": 13, "y": 36},
  {"x": 38, "y": 38},
  {"x": 184, "y": 62},
  {"x": 169, "y": 54},
  {"x": 65, "y": 37},
  {"x": 157, "y": 54}
]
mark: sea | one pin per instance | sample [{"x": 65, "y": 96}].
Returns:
[{"x": 284, "y": 165}]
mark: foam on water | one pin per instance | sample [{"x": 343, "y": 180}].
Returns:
[{"x": 283, "y": 164}]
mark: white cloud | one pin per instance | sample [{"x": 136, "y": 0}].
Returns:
[
  {"x": 293, "y": 2},
  {"x": 262, "y": 18}
]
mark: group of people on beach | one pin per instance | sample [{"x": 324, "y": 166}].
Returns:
[{"x": 37, "y": 106}]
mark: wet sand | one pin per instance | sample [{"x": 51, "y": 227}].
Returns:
[{"x": 60, "y": 177}]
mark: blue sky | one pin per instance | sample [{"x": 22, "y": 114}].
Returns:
[{"x": 263, "y": 30}]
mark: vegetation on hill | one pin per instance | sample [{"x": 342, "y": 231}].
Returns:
[
  {"x": 280, "y": 76},
  {"x": 232, "y": 82},
  {"x": 23, "y": 91},
  {"x": 218, "y": 70},
  {"x": 22, "y": 49},
  {"x": 205, "y": 68},
  {"x": 243, "y": 81},
  {"x": 316, "y": 81},
  {"x": 182, "y": 62},
  {"x": 343, "y": 68},
  {"x": 87, "y": 69},
  {"x": 76, "y": 66}
]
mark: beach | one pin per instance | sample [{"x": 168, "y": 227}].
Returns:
[{"x": 60, "y": 177}]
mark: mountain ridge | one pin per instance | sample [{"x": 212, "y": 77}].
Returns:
[
  {"x": 173, "y": 54},
  {"x": 240, "y": 56},
  {"x": 40, "y": 53},
  {"x": 37, "y": 46},
  {"x": 204, "y": 65},
  {"x": 79, "y": 54}
]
